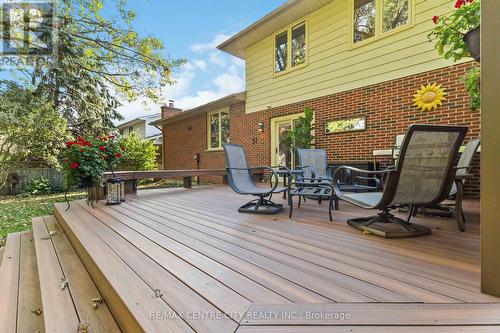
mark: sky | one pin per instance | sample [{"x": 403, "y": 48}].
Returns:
[{"x": 191, "y": 29}]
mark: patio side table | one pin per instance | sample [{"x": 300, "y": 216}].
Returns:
[
  {"x": 319, "y": 190},
  {"x": 288, "y": 176}
]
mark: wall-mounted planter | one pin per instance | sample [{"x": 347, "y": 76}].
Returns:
[{"x": 473, "y": 41}]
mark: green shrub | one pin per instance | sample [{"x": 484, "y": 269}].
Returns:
[
  {"x": 38, "y": 186},
  {"x": 139, "y": 154}
]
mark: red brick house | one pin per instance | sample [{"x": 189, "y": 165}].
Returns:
[{"x": 319, "y": 54}]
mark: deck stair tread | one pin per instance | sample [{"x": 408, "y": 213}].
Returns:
[
  {"x": 131, "y": 300},
  {"x": 20, "y": 298},
  {"x": 70, "y": 297}
]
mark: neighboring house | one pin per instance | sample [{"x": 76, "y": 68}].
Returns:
[
  {"x": 142, "y": 127},
  {"x": 357, "y": 63}
]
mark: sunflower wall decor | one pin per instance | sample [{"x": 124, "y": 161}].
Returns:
[{"x": 429, "y": 97}]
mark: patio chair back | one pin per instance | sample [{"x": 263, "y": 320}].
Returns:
[
  {"x": 425, "y": 169},
  {"x": 465, "y": 161},
  {"x": 315, "y": 159},
  {"x": 238, "y": 173}
]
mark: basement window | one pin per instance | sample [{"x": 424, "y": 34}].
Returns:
[
  {"x": 374, "y": 18},
  {"x": 290, "y": 48},
  {"x": 218, "y": 129}
]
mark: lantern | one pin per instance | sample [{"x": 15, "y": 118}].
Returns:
[{"x": 113, "y": 191}]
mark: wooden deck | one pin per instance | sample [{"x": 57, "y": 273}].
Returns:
[{"x": 183, "y": 260}]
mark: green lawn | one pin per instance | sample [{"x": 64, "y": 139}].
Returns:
[{"x": 16, "y": 213}]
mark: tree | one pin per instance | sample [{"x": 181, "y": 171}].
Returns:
[
  {"x": 101, "y": 60},
  {"x": 139, "y": 154},
  {"x": 30, "y": 128}
]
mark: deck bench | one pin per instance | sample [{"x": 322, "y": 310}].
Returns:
[{"x": 130, "y": 177}]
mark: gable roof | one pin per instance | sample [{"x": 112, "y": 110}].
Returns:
[
  {"x": 150, "y": 130},
  {"x": 269, "y": 24},
  {"x": 211, "y": 106}
]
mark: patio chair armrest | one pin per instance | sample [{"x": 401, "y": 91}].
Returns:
[
  {"x": 313, "y": 172},
  {"x": 378, "y": 183},
  {"x": 336, "y": 175},
  {"x": 274, "y": 174}
]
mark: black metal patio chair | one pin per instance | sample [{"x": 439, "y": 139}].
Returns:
[
  {"x": 423, "y": 176},
  {"x": 453, "y": 205},
  {"x": 239, "y": 176},
  {"x": 314, "y": 162}
]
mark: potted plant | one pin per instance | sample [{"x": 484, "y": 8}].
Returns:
[
  {"x": 454, "y": 33},
  {"x": 458, "y": 36},
  {"x": 85, "y": 160}
]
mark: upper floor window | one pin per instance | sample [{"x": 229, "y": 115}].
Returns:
[
  {"x": 218, "y": 129},
  {"x": 290, "y": 49},
  {"x": 375, "y": 17},
  {"x": 130, "y": 129}
]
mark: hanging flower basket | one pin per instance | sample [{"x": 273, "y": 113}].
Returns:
[{"x": 473, "y": 41}]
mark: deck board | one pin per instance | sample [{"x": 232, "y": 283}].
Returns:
[
  {"x": 29, "y": 309},
  {"x": 9, "y": 283},
  {"x": 425, "y": 261},
  {"x": 206, "y": 258}
]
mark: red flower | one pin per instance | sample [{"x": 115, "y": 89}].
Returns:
[
  {"x": 435, "y": 19},
  {"x": 118, "y": 155},
  {"x": 70, "y": 143},
  {"x": 65, "y": 161},
  {"x": 459, "y": 3},
  {"x": 74, "y": 165},
  {"x": 102, "y": 148}
]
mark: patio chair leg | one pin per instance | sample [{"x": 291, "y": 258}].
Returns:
[
  {"x": 458, "y": 211},
  {"x": 290, "y": 204},
  {"x": 299, "y": 201},
  {"x": 330, "y": 205},
  {"x": 411, "y": 210},
  {"x": 336, "y": 203}
]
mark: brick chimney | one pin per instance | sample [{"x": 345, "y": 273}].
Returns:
[{"x": 169, "y": 110}]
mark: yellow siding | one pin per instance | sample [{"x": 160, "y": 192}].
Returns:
[{"x": 335, "y": 66}]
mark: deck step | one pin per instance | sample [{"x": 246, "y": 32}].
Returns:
[
  {"x": 131, "y": 300},
  {"x": 20, "y": 303},
  {"x": 70, "y": 299}
]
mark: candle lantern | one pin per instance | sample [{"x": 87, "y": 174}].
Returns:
[{"x": 113, "y": 191}]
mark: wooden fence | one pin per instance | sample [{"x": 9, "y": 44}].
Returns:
[{"x": 27, "y": 172}]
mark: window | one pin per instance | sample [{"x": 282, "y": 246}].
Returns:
[
  {"x": 121, "y": 131},
  {"x": 345, "y": 125},
  {"x": 218, "y": 129},
  {"x": 281, "y": 48},
  {"x": 372, "y": 18},
  {"x": 290, "y": 49},
  {"x": 130, "y": 129},
  {"x": 364, "y": 19},
  {"x": 394, "y": 14}
]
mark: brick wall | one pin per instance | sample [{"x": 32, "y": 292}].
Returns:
[{"x": 386, "y": 106}]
